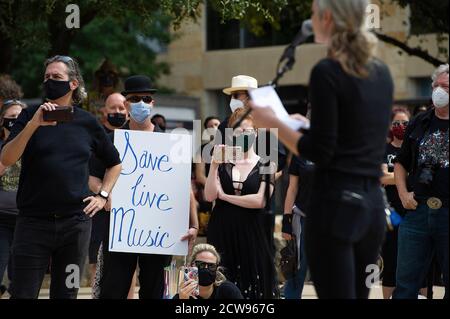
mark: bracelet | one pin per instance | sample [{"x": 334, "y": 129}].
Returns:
[{"x": 193, "y": 227}]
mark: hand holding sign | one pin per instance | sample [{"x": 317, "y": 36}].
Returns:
[{"x": 150, "y": 212}]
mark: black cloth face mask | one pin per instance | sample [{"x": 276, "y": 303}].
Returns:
[
  {"x": 206, "y": 277},
  {"x": 55, "y": 89},
  {"x": 116, "y": 119},
  {"x": 8, "y": 123}
]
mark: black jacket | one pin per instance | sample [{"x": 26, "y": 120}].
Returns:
[{"x": 408, "y": 155}]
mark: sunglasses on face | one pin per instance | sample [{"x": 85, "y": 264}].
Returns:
[
  {"x": 136, "y": 99},
  {"x": 399, "y": 123},
  {"x": 13, "y": 102},
  {"x": 203, "y": 264},
  {"x": 238, "y": 95}
]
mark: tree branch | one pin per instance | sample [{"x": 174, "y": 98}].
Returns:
[{"x": 418, "y": 52}]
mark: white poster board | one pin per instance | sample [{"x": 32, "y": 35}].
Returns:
[{"x": 150, "y": 201}]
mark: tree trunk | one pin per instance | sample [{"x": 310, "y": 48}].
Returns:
[
  {"x": 61, "y": 37},
  {"x": 5, "y": 54},
  {"x": 417, "y": 52}
]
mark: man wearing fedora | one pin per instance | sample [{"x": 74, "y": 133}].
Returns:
[{"x": 118, "y": 268}]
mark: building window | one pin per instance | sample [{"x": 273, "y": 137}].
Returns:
[
  {"x": 422, "y": 87},
  {"x": 232, "y": 35}
]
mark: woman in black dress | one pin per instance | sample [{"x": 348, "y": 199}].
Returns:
[{"x": 236, "y": 226}]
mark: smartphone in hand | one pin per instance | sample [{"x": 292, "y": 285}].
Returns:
[
  {"x": 192, "y": 273},
  {"x": 227, "y": 154},
  {"x": 61, "y": 114}
]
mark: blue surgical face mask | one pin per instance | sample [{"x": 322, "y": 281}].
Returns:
[{"x": 140, "y": 111}]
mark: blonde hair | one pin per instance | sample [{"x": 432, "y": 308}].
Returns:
[
  {"x": 200, "y": 248},
  {"x": 351, "y": 45}
]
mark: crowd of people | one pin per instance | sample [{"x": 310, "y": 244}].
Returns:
[{"x": 361, "y": 162}]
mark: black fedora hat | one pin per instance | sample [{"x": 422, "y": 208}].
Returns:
[{"x": 138, "y": 84}]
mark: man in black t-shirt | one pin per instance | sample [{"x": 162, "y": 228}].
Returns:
[
  {"x": 421, "y": 176},
  {"x": 52, "y": 198}
]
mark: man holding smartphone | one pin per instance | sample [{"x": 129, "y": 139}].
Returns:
[{"x": 53, "y": 197}]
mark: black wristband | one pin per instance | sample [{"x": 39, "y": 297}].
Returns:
[{"x": 286, "y": 226}]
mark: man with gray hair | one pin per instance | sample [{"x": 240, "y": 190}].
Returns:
[
  {"x": 421, "y": 176},
  {"x": 53, "y": 198}
]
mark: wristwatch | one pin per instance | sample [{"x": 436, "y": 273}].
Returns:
[{"x": 103, "y": 194}]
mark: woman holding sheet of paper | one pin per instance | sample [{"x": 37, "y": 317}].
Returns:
[
  {"x": 236, "y": 227},
  {"x": 351, "y": 96}
]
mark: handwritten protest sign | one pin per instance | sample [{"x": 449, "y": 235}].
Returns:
[{"x": 150, "y": 202}]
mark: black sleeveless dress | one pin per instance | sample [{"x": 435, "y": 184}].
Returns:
[{"x": 239, "y": 236}]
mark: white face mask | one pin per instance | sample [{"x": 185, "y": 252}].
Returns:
[
  {"x": 440, "y": 97},
  {"x": 236, "y": 104}
]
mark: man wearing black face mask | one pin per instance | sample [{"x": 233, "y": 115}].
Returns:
[
  {"x": 114, "y": 112},
  {"x": 53, "y": 196}
]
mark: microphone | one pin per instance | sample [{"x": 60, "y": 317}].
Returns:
[{"x": 303, "y": 35}]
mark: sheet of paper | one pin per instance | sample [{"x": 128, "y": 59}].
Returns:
[{"x": 266, "y": 96}]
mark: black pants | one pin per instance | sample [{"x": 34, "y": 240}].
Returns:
[
  {"x": 344, "y": 232},
  {"x": 118, "y": 270},
  {"x": 37, "y": 241},
  {"x": 100, "y": 224}
]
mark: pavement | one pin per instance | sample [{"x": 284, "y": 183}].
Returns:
[{"x": 308, "y": 293}]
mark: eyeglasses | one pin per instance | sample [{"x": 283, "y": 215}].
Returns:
[
  {"x": 13, "y": 102},
  {"x": 398, "y": 123},
  {"x": 136, "y": 99},
  {"x": 237, "y": 95},
  {"x": 64, "y": 58},
  {"x": 203, "y": 264}
]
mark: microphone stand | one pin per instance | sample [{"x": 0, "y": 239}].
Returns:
[
  {"x": 288, "y": 58},
  {"x": 274, "y": 83}
]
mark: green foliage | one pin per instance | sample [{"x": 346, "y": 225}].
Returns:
[
  {"x": 430, "y": 16},
  {"x": 31, "y": 30},
  {"x": 106, "y": 38},
  {"x": 115, "y": 29}
]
